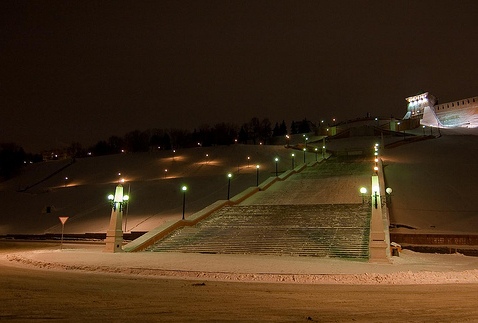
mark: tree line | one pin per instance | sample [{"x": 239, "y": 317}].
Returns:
[
  {"x": 256, "y": 131},
  {"x": 253, "y": 132}
]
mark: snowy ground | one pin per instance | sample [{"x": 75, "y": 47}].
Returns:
[{"x": 409, "y": 268}]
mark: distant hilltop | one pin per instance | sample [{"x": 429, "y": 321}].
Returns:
[{"x": 461, "y": 113}]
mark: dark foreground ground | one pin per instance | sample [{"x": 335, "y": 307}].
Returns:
[{"x": 46, "y": 295}]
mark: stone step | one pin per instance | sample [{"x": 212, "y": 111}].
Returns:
[{"x": 302, "y": 230}]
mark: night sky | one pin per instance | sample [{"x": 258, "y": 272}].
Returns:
[{"x": 85, "y": 70}]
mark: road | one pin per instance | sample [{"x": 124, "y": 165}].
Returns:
[{"x": 44, "y": 295}]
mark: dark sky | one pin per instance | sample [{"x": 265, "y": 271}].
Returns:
[{"x": 86, "y": 70}]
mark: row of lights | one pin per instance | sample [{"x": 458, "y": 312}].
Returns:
[
  {"x": 184, "y": 188},
  {"x": 363, "y": 190}
]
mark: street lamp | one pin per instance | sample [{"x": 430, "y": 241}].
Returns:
[
  {"x": 257, "y": 175},
  {"x": 306, "y": 138},
  {"x": 287, "y": 138},
  {"x": 363, "y": 191},
  {"x": 229, "y": 175},
  {"x": 316, "y": 154},
  {"x": 293, "y": 160},
  {"x": 118, "y": 201},
  {"x": 248, "y": 161},
  {"x": 305, "y": 149},
  {"x": 66, "y": 179},
  {"x": 323, "y": 151},
  {"x": 184, "y": 189},
  {"x": 389, "y": 191},
  {"x": 114, "y": 235},
  {"x": 276, "y": 160},
  {"x": 165, "y": 173}
]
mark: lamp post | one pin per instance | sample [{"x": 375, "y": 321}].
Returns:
[
  {"x": 184, "y": 189},
  {"x": 114, "y": 235},
  {"x": 287, "y": 138},
  {"x": 363, "y": 191},
  {"x": 305, "y": 149},
  {"x": 248, "y": 161},
  {"x": 165, "y": 173},
  {"x": 66, "y": 180},
  {"x": 257, "y": 175},
  {"x": 293, "y": 160},
  {"x": 389, "y": 191},
  {"x": 229, "y": 175},
  {"x": 323, "y": 151},
  {"x": 306, "y": 138},
  {"x": 316, "y": 154},
  {"x": 276, "y": 160}
]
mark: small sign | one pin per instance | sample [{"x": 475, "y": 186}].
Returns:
[{"x": 63, "y": 219}]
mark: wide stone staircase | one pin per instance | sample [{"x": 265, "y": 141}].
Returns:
[{"x": 320, "y": 230}]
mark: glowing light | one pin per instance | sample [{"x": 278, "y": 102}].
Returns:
[
  {"x": 184, "y": 188},
  {"x": 389, "y": 190},
  {"x": 419, "y": 97},
  {"x": 229, "y": 175},
  {"x": 126, "y": 198},
  {"x": 363, "y": 190},
  {"x": 111, "y": 197}
]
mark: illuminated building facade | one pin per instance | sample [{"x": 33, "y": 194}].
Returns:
[{"x": 460, "y": 113}]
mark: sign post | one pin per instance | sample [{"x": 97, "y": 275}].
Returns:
[{"x": 63, "y": 219}]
